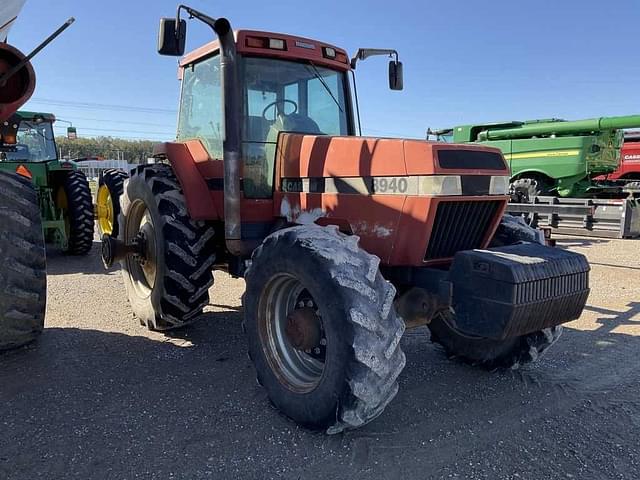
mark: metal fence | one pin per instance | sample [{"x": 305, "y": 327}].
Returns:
[{"x": 92, "y": 168}]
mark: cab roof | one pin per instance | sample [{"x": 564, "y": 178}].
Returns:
[
  {"x": 295, "y": 48},
  {"x": 25, "y": 115}
]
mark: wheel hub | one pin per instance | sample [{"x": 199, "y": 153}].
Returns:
[{"x": 303, "y": 328}]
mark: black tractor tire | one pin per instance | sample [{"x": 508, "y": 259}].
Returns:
[
  {"x": 530, "y": 187},
  {"x": 184, "y": 251},
  {"x": 362, "y": 358},
  {"x": 488, "y": 353},
  {"x": 78, "y": 213},
  {"x": 515, "y": 229},
  {"x": 23, "y": 276},
  {"x": 113, "y": 179}
]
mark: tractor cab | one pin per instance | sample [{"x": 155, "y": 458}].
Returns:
[
  {"x": 287, "y": 84},
  {"x": 29, "y": 137}
]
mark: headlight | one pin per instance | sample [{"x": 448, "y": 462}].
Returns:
[
  {"x": 499, "y": 185},
  {"x": 441, "y": 185}
]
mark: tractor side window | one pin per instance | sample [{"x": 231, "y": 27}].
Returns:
[{"x": 200, "y": 115}]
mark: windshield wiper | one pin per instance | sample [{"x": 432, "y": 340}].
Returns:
[{"x": 324, "y": 84}]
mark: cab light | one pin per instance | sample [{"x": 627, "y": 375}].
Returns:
[
  {"x": 440, "y": 185},
  {"x": 24, "y": 171},
  {"x": 499, "y": 185},
  {"x": 255, "y": 42},
  {"x": 329, "y": 52},
  {"x": 276, "y": 44}
]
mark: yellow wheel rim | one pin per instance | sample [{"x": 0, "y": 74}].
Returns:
[{"x": 105, "y": 210}]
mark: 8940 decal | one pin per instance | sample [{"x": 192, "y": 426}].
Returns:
[{"x": 389, "y": 185}]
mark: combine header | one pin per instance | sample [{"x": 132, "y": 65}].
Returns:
[{"x": 343, "y": 241}]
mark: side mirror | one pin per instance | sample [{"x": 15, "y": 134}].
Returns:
[
  {"x": 72, "y": 134},
  {"x": 172, "y": 36},
  {"x": 395, "y": 75}
]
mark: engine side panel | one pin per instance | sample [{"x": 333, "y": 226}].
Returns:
[{"x": 372, "y": 188}]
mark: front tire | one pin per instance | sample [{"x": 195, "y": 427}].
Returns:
[
  {"x": 488, "y": 353},
  {"x": 349, "y": 375},
  {"x": 170, "y": 286},
  {"x": 23, "y": 276}
]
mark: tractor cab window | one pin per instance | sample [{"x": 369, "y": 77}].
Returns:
[
  {"x": 286, "y": 96},
  {"x": 200, "y": 115},
  {"x": 34, "y": 143}
]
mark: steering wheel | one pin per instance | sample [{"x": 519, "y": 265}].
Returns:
[{"x": 273, "y": 104}]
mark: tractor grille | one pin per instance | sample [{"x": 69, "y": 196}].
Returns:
[{"x": 460, "y": 226}]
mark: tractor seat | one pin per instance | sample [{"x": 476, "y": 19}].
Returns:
[{"x": 292, "y": 123}]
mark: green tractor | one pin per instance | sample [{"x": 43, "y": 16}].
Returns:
[{"x": 27, "y": 146}]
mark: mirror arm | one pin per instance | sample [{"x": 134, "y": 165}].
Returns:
[
  {"x": 364, "y": 53},
  {"x": 193, "y": 13}
]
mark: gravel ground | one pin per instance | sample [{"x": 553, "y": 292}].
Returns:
[{"x": 98, "y": 396}]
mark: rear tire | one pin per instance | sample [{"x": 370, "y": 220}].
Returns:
[
  {"x": 78, "y": 213},
  {"x": 354, "y": 377},
  {"x": 110, "y": 188},
  {"x": 488, "y": 353},
  {"x": 172, "y": 287},
  {"x": 23, "y": 276}
]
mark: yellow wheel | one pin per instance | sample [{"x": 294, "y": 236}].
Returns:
[
  {"x": 110, "y": 187},
  {"x": 104, "y": 206}
]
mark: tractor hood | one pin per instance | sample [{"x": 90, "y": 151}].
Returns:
[{"x": 312, "y": 156}]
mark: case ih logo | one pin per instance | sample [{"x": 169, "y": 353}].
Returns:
[{"x": 632, "y": 158}]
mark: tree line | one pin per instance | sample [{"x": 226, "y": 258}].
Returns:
[{"x": 133, "y": 151}]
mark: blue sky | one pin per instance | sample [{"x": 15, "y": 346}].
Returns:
[{"x": 464, "y": 62}]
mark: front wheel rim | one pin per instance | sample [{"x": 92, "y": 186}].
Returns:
[{"x": 299, "y": 371}]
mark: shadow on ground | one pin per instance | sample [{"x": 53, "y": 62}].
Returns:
[
  {"x": 59, "y": 263},
  {"x": 93, "y": 404},
  {"x": 567, "y": 241}
]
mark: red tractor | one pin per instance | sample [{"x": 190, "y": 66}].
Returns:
[{"x": 342, "y": 240}]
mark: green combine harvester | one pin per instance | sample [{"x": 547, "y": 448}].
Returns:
[
  {"x": 27, "y": 146},
  {"x": 553, "y": 156}
]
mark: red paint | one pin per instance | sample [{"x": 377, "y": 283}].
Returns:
[
  {"x": 293, "y": 50},
  {"x": 397, "y": 228},
  {"x": 185, "y": 158},
  {"x": 629, "y": 166},
  {"x": 19, "y": 87}
]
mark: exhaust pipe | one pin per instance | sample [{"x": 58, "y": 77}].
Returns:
[{"x": 231, "y": 144}]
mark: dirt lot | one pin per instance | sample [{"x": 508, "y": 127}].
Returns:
[{"x": 100, "y": 397}]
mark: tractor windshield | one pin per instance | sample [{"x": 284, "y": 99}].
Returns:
[
  {"x": 287, "y": 96},
  {"x": 35, "y": 143},
  {"x": 278, "y": 96}
]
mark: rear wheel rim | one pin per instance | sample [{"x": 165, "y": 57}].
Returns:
[
  {"x": 105, "y": 210},
  {"x": 143, "y": 272},
  {"x": 299, "y": 371}
]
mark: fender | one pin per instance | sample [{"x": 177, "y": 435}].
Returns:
[{"x": 192, "y": 165}]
